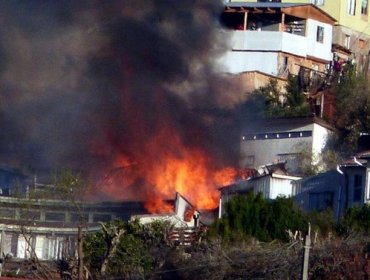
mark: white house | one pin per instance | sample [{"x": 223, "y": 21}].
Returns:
[
  {"x": 276, "y": 38},
  {"x": 272, "y": 182},
  {"x": 282, "y": 139}
]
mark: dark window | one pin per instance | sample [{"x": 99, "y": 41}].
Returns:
[
  {"x": 102, "y": 217},
  {"x": 7, "y": 213},
  {"x": 320, "y": 34},
  {"x": 364, "y": 7},
  {"x": 76, "y": 217},
  {"x": 54, "y": 217},
  {"x": 29, "y": 215}
]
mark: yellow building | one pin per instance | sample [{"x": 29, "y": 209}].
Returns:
[{"x": 351, "y": 33}]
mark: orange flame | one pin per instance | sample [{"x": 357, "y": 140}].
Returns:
[
  {"x": 159, "y": 165},
  {"x": 174, "y": 168}
]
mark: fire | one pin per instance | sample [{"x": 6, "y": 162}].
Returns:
[
  {"x": 161, "y": 149},
  {"x": 169, "y": 167}
]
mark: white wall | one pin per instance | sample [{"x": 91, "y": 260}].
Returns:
[
  {"x": 317, "y": 49},
  {"x": 236, "y": 62},
  {"x": 320, "y": 135},
  {"x": 281, "y": 187},
  {"x": 266, "y": 151}
]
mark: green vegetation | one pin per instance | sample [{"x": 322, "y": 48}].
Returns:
[
  {"x": 352, "y": 108},
  {"x": 126, "y": 249},
  {"x": 272, "y": 101},
  {"x": 253, "y": 216},
  {"x": 355, "y": 220},
  {"x": 130, "y": 250}
]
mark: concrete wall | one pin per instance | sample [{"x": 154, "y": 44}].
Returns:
[
  {"x": 236, "y": 62},
  {"x": 269, "y": 150},
  {"x": 259, "y": 50},
  {"x": 317, "y": 49}
]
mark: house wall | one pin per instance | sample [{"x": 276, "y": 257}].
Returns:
[
  {"x": 317, "y": 49},
  {"x": 239, "y": 61},
  {"x": 338, "y": 10},
  {"x": 251, "y": 81},
  {"x": 354, "y": 185},
  {"x": 270, "y": 186},
  {"x": 313, "y": 193},
  {"x": 281, "y": 187},
  {"x": 270, "y": 150},
  {"x": 319, "y": 136},
  {"x": 345, "y": 186}
]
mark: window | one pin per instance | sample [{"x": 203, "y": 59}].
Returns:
[
  {"x": 357, "y": 187},
  {"x": 351, "y": 7},
  {"x": 102, "y": 218},
  {"x": 361, "y": 44},
  {"x": 318, "y": 2},
  {"x": 320, "y": 34},
  {"x": 364, "y": 7},
  {"x": 54, "y": 217},
  {"x": 347, "y": 41},
  {"x": 249, "y": 160}
]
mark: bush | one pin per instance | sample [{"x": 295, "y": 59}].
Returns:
[
  {"x": 355, "y": 220},
  {"x": 252, "y": 215}
]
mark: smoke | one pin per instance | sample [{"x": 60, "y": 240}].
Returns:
[{"x": 84, "y": 81}]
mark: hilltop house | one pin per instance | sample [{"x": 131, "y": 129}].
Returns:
[
  {"x": 351, "y": 32},
  {"x": 276, "y": 140},
  {"x": 277, "y": 38}
]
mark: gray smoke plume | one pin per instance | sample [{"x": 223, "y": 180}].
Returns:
[{"x": 82, "y": 81}]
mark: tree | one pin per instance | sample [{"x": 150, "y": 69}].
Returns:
[
  {"x": 253, "y": 215},
  {"x": 271, "y": 101},
  {"x": 127, "y": 249},
  {"x": 352, "y": 107}
]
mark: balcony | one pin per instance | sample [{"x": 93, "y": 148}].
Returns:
[
  {"x": 277, "y": 41},
  {"x": 269, "y": 41}
]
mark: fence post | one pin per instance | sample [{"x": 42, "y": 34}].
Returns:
[{"x": 306, "y": 253}]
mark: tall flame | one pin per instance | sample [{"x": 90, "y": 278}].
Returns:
[{"x": 169, "y": 167}]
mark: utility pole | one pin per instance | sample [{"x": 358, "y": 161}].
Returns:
[
  {"x": 306, "y": 253},
  {"x": 80, "y": 254}
]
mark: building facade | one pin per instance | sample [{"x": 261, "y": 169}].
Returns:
[
  {"x": 337, "y": 190},
  {"x": 282, "y": 140},
  {"x": 276, "y": 38},
  {"x": 351, "y": 32},
  {"x": 271, "y": 182}
]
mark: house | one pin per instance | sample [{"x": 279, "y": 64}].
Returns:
[
  {"x": 184, "y": 214},
  {"x": 351, "y": 32},
  {"x": 282, "y": 139},
  {"x": 48, "y": 228},
  {"x": 277, "y": 38},
  {"x": 272, "y": 181},
  {"x": 338, "y": 190}
]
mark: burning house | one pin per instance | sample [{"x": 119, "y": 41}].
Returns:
[{"x": 48, "y": 228}]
